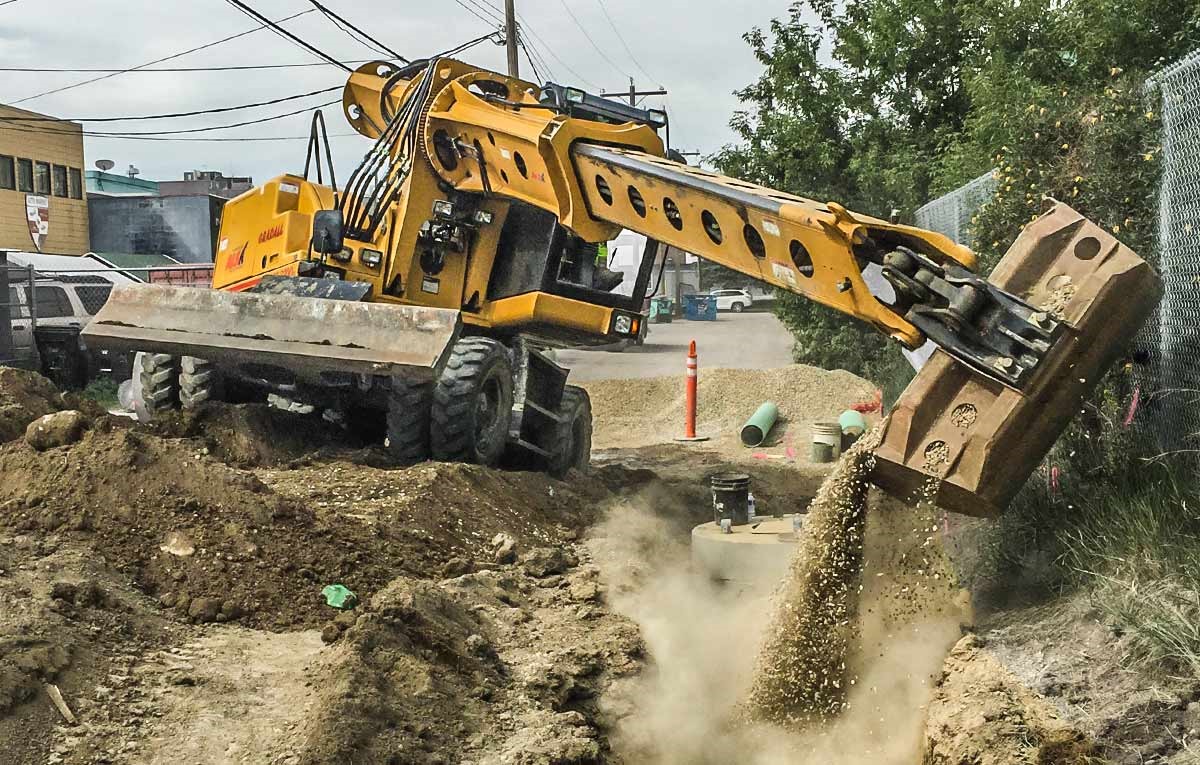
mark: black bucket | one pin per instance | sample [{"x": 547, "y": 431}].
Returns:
[{"x": 731, "y": 498}]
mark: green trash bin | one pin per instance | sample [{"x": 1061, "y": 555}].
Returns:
[{"x": 661, "y": 310}]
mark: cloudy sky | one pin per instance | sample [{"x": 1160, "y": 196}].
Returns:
[{"x": 691, "y": 47}]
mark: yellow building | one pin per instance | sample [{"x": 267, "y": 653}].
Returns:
[{"x": 42, "y": 200}]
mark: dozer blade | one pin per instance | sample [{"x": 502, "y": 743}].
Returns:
[
  {"x": 969, "y": 442},
  {"x": 260, "y": 332}
]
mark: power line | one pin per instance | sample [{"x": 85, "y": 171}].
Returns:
[
  {"x": 217, "y": 110},
  {"x": 261, "y": 120},
  {"x": 7, "y": 2},
  {"x": 482, "y": 13},
  {"x": 281, "y": 32},
  {"x": 532, "y": 64},
  {"x": 586, "y": 34},
  {"x": 339, "y": 20},
  {"x": 621, "y": 38},
  {"x": 157, "y": 60},
  {"x": 240, "y": 68}
]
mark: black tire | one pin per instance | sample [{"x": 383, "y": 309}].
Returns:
[
  {"x": 472, "y": 403},
  {"x": 572, "y": 446},
  {"x": 156, "y": 384},
  {"x": 738, "y": 307},
  {"x": 408, "y": 414},
  {"x": 199, "y": 382}
]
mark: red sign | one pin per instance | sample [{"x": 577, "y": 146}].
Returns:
[{"x": 274, "y": 232}]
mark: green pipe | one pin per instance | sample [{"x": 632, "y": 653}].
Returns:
[{"x": 755, "y": 431}]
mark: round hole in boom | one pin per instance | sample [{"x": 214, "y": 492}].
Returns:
[
  {"x": 638, "y": 203},
  {"x": 504, "y": 176},
  {"x": 491, "y": 138},
  {"x": 520, "y": 162},
  {"x": 754, "y": 241},
  {"x": 1087, "y": 248},
  {"x": 801, "y": 258},
  {"x": 712, "y": 227},
  {"x": 671, "y": 210},
  {"x": 604, "y": 190}
]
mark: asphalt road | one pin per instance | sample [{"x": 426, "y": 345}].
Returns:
[{"x": 754, "y": 340}]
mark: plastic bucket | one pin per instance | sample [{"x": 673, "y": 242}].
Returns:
[
  {"x": 731, "y": 498},
  {"x": 826, "y": 441},
  {"x": 853, "y": 425}
]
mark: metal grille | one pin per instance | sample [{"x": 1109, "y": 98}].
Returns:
[
  {"x": 951, "y": 214},
  {"x": 1173, "y": 335}
]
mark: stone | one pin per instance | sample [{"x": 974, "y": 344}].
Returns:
[
  {"x": 331, "y": 632},
  {"x": 56, "y": 429},
  {"x": 547, "y": 561},
  {"x": 204, "y": 609},
  {"x": 504, "y": 549}
]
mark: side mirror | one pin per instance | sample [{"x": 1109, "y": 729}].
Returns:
[{"x": 328, "y": 232}]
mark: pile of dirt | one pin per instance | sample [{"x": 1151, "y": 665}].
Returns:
[
  {"x": 24, "y": 397},
  {"x": 649, "y": 411},
  {"x": 981, "y": 713},
  {"x": 218, "y": 544},
  {"x": 255, "y": 435}
]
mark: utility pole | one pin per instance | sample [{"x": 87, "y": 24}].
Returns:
[
  {"x": 633, "y": 93},
  {"x": 510, "y": 36}
]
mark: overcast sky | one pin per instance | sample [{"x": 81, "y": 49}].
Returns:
[{"x": 691, "y": 47}]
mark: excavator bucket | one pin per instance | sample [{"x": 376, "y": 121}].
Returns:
[
  {"x": 262, "y": 333},
  {"x": 969, "y": 442}
]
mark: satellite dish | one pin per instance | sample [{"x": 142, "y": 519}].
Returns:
[{"x": 105, "y": 165}]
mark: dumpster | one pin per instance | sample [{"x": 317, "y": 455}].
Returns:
[
  {"x": 699, "y": 307},
  {"x": 661, "y": 310}
]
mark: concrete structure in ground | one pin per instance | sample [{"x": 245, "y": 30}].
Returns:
[
  {"x": 41, "y": 183},
  {"x": 184, "y": 228},
  {"x": 206, "y": 182}
]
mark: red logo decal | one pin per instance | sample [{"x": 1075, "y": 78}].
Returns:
[
  {"x": 235, "y": 259},
  {"x": 274, "y": 232}
]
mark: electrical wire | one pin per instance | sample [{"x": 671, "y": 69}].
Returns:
[
  {"x": 366, "y": 39},
  {"x": 532, "y": 63},
  {"x": 97, "y": 133},
  {"x": 157, "y": 60},
  {"x": 281, "y": 32},
  {"x": 477, "y": 14},
  {"x": 197, "y": 113},
  {"x": 524, "y": 25},
  {"x": 588, "y": 35},
  {"x": 621, "y": 38},
  {"x": 7, "y": 2},
  {"x": 242, "y": 68}
]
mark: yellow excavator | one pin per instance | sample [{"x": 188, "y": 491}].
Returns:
[{"x": 424, "y": 293}]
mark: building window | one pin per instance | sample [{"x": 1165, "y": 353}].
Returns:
[
  {"x": 76, "y": 183},
  {"x": 25, "y": 175},
  {"x": 41, "y": 177},
  {"x": 60, "y": 181},
  {"x": 8, "y": 170}
]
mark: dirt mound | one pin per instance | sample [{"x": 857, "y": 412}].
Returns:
[
  {"x": 648, "y": 411},
  {"x": 24, "y": 397},
  {"x": 982, "y": 714},
  {"x": 255, "y": 435}
]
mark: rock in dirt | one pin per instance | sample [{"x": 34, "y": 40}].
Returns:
[
  {"x": 542, "y": 562},
  {"x": 56, "y": 429},
  {"x": 24, "y": 397},
  {"x": 504, "y": 548},
  {"x": 982, "y": 714}
]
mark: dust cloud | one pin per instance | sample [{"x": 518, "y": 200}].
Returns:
[{"x": 703, "y": 698}]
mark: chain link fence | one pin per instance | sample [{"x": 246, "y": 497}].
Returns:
[
  {"x": 951, "y": 213},
  {"x": 1172, "y": 339}
]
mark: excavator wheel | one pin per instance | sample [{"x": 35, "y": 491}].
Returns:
[
  {"x": 199, "y": 381},
  {"x": 155, "y": 384},
  {"x": 572, "y": 445},
  {"x": 408, "y": 420},
  {"x": 472, "y": 403}
]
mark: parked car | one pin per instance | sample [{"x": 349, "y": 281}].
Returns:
[
  {"x": 49, "y": 335},
  {"x": 733, "y": 300}
]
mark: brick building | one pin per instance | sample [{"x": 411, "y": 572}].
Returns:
[{"x": 41, "y": 178}]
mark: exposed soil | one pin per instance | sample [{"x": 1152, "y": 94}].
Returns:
[{"x": 167, "y": 581}]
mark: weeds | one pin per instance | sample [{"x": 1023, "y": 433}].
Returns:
[{"x": 103, "y": 390}]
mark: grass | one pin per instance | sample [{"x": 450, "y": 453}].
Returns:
[
  {"x": 1131, "y": 539},
  {"x": 102, "y": 390}
]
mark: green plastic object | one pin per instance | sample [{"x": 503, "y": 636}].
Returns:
[
  {"x": 339, "y": 596},
  {"x": 853, "y": 423},
  {"x": 756, "y": 429}
]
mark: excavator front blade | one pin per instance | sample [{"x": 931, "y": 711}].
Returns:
[
  {"x": 968, "y": 442},
  {"x": 264, "y": 334}
]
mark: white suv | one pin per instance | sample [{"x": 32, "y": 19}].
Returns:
[{"x": 732, "y": 300}]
